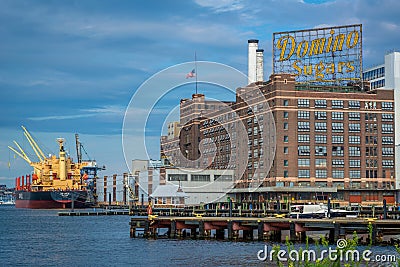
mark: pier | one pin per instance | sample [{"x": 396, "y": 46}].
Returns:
[
  {"x": 93, "y": 213},
  {"x": 268, "y": 228}
]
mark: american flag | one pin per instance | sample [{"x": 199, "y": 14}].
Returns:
[{"x": 191, "y": 74}]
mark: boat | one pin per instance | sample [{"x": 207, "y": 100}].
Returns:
[
  {"x": 319, "y": 211},
  {"x": 7, "y": 199},
  {"x": 56, "y": 182}
]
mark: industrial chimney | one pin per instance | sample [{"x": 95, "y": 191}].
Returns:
[
  {"x": 252, "y": 61},
  {"x": 260, "y": 65}
]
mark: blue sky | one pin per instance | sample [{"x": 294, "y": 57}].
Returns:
[{"x": 72, "y": 66}]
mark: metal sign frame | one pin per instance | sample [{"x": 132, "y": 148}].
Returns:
[{"x": 329, "y": 56}]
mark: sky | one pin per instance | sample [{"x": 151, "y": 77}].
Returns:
[{"x": 71, "y": 67}]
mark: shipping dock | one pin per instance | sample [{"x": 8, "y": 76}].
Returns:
[
  {"x": 249, "y": 229},
  {"x": 248, "y": 225}
]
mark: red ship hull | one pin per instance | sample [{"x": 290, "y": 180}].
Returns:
[{"x": 50, "y": 199}]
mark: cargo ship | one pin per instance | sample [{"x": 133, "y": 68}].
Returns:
[{"x": 56, "y": 182}]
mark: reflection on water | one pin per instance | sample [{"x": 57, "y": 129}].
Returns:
[{"x": 42, "y": 238}]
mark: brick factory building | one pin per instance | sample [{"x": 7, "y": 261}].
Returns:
[{"x": 293, "y": 141}]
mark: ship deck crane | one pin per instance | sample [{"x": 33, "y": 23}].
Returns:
[
  {"x": 34, "y": 145},
  {"x": 20, "y": 153}
]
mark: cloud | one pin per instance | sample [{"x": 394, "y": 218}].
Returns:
[
  {"x": 220, "y": 6},
  {"x": 61, "y": 117},
  {"x": 109, "y": 110},
  {"x": 390, "y": 26}
]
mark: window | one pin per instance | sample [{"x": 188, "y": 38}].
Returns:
[
  {"x": 337, "y": 174},
  {"x": 354, "y": 127},
  {"x": 285, "y": 173},
  {"x": 303, "y": 150},
  {"x": 321, "y": 173},
  {"x": 354, "y": 139},
  {"x": 354, "y": 163},
  {"x": 320, "y": 126},
  {"x": 338, "y": 151},
  {"x": 200, "y": 178},
  {"x": 387, "y": 140},
  {"x": 337, "y": 163},
  {"x": 303, "y": 126},
  {"x": 387, "y": 105},
  {"x": 371, "y": 174},
  {"x": 337, "y": 127},
  {"x": 303, "y": 138},
  {"x": 354, "y": 116},
  {"x": 371, "y": 140},
  {"x": 222, "y": 177},
  {"x": 354, "y": 104},
  {"x": 387, "y": 128},
  {"x": 304, "y": 173},
  {"x": 337, "y": 139},
  {"x": 371, "y": 152},
  {"x": 371, "y": 128},
  {"x": 285, "y": 163},
  {"x": 355, "y": 174},
  {"x": 285, "y": 126},
  {"x": 286, "y": 102},
  {"x": 303, "y": 103},
  {"x": 320, "y": 150},
  {"x": 303, "y": 162},
  {"x": 285, "y": 150},
  {"x": 354, "y": 151},
  {"x": 371, "y": 163},
  {"x": 387, "y": 163},
  {"x": 320, "y": 139},
  {"x": 303, "y": 114},
  {"x": 337, "y": 103},
  {"x": 387, "y": 151},
  {"x": 337, "y": 115},
  {"x": 177, "y": 177},
  {"x": 321, "y": 163},
  {"x": 320, "y": 115},
  {"x": 285, "y": 138},
  {"x": 370, "y": 116},
  {"x": 320, "y": 103},
  {"x": 387, "y": 117},
  {"x": 285, "y": 114}
]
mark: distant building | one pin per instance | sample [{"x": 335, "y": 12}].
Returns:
[
  {"x": 168, "y": 195},
  {"x": 197, "y": 186},
  {"x": 201, "y": 186},
  {"x": 387, "y": 75}
]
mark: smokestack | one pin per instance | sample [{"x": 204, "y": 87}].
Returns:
[
  {"x": 252, "y": 61},
  {"x": 260, "y": 65}
]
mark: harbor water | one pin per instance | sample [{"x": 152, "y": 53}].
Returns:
[{"x": 42, "y": 238}]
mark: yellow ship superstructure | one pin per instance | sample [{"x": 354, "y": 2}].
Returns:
[{"x": 53, "y": 173}]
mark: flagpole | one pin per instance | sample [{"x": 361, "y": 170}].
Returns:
[{"x": 195, "y": 66}]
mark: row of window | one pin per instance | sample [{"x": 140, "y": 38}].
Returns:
[
  {"x": 322, "y": 163},
  {"x": 199, "y": 177},
  {"x": 352, "y": 116},
  {"x": 337, "y": 104},
  {"x": 324, "y": 174},
  {"x": 338, "y": 127},
  {"x": 374, "y": 74},
  {"x": 353, "y": 174},
  {"x": 339, "y": 139},
  {"x": 354, "y": 151}
]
